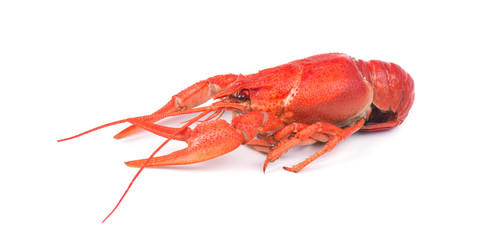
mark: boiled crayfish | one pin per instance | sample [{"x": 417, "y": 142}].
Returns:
[{"x": 323, "y": 98}]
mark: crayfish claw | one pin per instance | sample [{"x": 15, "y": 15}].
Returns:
[{"x": 205, "y": 142}]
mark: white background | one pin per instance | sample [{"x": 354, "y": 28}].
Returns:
[{"x": 67, "y": 66}]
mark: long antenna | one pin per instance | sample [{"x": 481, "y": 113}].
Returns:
[{"x": 151, "y": 157}]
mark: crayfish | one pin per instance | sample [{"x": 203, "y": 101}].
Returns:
[{"x": 323, "y": 98}]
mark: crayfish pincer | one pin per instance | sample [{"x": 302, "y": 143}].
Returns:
[{"x": 323, "y": 98}]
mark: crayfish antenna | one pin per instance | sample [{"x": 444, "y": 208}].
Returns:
[
  {"x": 152, "y": 156},
  {"x": 134, "y": 178},
  {"x": 151, "y": 117},
  {"x": 94, "y": 129}
]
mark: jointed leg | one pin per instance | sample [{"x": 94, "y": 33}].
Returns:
[
  {"x": 322, "y": 130},
  {"x": 266, "y": 145},
  {"x": 329, "y": 146},
  {"x": 261, "y": 145}
]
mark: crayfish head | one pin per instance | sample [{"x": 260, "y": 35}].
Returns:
[
  {"x": 264, "y": 99},
  {"x": 265, "y": 91}
]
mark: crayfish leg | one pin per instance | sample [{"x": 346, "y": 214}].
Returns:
[
  {"x": 302, "y": 136},
  {"x": 340, "y": 136},
  {"x": 260, "y": 145},
  {"x": 329, "y": 132}
]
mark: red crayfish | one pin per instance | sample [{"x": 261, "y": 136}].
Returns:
[{"x": 323, "y": 98}]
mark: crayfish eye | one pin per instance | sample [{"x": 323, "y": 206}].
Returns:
[{"x": 243, "y": 95}]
